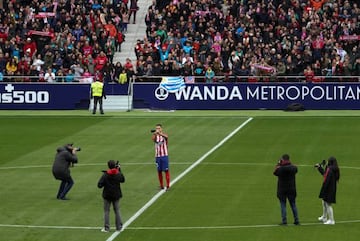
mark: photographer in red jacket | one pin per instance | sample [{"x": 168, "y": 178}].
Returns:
[
  {"x": 286, "y": 187},
  {"x": 110, "y": 182}
]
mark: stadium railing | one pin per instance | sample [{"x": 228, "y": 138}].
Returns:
[{"x": 195, "y": 79}]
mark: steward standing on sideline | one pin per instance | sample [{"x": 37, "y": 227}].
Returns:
[
  {"x": 97, "y": 93},
  {"x": 65, "y": 158}
]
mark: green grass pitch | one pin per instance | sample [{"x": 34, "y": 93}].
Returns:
[{"x": 224, "y": 187}]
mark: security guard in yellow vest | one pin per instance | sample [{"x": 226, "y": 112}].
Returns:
[{"x": 97, "y": 93}]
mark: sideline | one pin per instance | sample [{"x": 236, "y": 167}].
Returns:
[
  {"x": 160, "y": 193},
  {"x": 46, "y": 226},
  {"x": 238, "y": 226},
  {"x": 173, "y": 163},
  {"x": 88, "y": 164},
  {"x": 175, "y": 228}
]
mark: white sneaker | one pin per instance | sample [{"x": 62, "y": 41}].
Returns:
[
  {"x": 329, "y": 222},
  {"x": 322, "y": 219},
  {"x": 104, "y": 230}
]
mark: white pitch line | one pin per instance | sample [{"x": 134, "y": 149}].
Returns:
[
  {"x": 46, "y": 226},
  {"x": 267, "y": 164},
  {"x": 172, "y": 228},
  {"x": 91, "y": 164},
  {"x": 160, "y": 193},
  {"x": 172, "y": 163},
  {"x": 236, "y": 226}
]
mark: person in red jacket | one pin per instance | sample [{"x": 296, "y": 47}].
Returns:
[
  {"x": 110, "y": 29},
  {"x": 309, "y": 74},
  {"x": 100, "y": 61},
  {"x": 23, "y": 68},
  {"x": 317, "y": 4},
  {"x": 87, "y": 49},
  {"x": 30, "y": 47},
  {"x": 120, "y": 38}
]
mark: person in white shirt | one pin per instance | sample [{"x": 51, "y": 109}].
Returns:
[
  {"x": 50, "y": 76},
  {"x": 38, "y": 62},
  {"x": 187, "y": 58}
]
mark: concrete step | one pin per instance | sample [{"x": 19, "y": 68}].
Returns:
[
  {"x": 115, "y": 103},
  {"x": 134, "y": 32}
]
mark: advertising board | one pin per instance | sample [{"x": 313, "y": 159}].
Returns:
[{"x": 241, "y": 96}]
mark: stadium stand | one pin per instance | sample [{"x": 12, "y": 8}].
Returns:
[
  {"x": 317, "y": 39},
  {"x": 239, "y": 40},
  {"x": 75, "y": 38}
]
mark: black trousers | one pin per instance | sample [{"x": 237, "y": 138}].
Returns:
[{"x": 98, "y": 100}]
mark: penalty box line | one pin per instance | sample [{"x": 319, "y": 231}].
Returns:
[{"x": 160, "y": 193}]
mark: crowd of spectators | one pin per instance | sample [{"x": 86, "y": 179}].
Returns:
[
  {"x": 318, "y": 39},
  {"x": 60, "y": 40},
  {"x": 75, "y": 40}
]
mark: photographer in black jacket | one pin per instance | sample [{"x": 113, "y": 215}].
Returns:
[
  {"x": 286, "y": 188},
  {"x": 110, "y": 182},
  {"x": 64, "y": 159},
  {"x": 331, "y": 174}
]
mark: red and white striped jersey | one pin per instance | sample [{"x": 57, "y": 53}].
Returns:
[{"x": 161, "y": 146}]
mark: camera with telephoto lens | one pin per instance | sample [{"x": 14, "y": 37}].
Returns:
[
  {"x": 117, "y": 166},
  {"x": 77, "y": 148},
  {"x": 71, "y": 147},
  {"x": 321, "y": 164}
]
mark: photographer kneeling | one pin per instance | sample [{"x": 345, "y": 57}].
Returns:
[{"x": 65, "y": 158}]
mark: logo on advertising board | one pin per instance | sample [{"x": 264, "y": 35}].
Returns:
[
  {"x": 169, "y": 85},
  {"x": 12, "y": 96}
]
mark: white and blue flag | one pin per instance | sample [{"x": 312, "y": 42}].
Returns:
[{"x": 172, "y": 84}]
